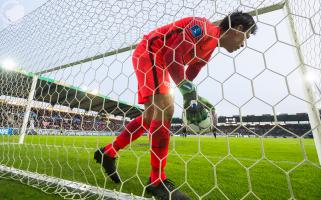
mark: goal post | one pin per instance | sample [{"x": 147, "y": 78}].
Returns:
[
  {"x": 28, "y": 108},
  {"x": 309, "y": 88}
]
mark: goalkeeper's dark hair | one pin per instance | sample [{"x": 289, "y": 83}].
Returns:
[{"x": 239, "y": 18}]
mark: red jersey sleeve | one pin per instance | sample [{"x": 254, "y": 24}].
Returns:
[{"x": 193, "y": 69}]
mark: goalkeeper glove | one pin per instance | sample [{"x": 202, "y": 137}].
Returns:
[
  {"x": 194, "y": 109},
  {"x": 206, "y": 104}
]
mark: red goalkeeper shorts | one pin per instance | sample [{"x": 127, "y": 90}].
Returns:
[{"x": 151, "y": 73}]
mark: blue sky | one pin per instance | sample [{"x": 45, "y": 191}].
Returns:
[{"x": 261, "y": 79}]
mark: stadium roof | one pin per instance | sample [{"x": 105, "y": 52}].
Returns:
[{"x": 18, "y": 83}]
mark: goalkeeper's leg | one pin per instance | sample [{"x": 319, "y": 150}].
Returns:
[
  {"x": 132, "y": 131},
  {"x": 160, "y": 135},
  {"x": 158, "y": 184},
  {"x": 106, "y": 155}
]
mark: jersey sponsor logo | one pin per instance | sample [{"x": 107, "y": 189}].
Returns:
[{"x": 196, "y": 30}]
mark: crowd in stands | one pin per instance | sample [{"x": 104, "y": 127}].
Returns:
[
  {"x": 268, "y": 130},
  {"x": 12, "y": 116},
  {"x": 248, "y": 130}
]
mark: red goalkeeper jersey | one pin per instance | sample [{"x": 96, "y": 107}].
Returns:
[{"x": 189, "y": 41}]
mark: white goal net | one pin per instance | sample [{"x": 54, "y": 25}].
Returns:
[{"x": 68, "y": 87}]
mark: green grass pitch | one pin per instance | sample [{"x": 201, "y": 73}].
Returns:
[
  {"x": 14, "y": 190},
  {"x": 204, "y": 167}
]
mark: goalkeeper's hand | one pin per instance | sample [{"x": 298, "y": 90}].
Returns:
[
  {"x": 206, "y": 104},
  {"x": 210, "y": 108},
  {"x": 195, "y": 106}
]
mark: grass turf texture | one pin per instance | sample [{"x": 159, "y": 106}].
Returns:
[
  {"x": 14, "y": 190},
  {"x": 203, "y": 166}
]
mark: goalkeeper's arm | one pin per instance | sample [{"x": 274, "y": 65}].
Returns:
[
  {"x": 193, "y": 69},
  {"x": 194, "y": 105}
]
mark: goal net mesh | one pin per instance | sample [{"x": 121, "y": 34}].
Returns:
[{"x": 67, "y": 83}]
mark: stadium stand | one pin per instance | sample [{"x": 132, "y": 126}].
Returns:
[
  {"x": 12, "y": 116},
  {"x": 289, "y": 125}
]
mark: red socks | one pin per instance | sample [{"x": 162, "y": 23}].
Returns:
[
  {"x": 159, "y": 137},
  {"x": 132, "y": 131}
]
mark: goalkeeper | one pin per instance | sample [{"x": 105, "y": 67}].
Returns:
[{"x": 162, "y": 54}]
